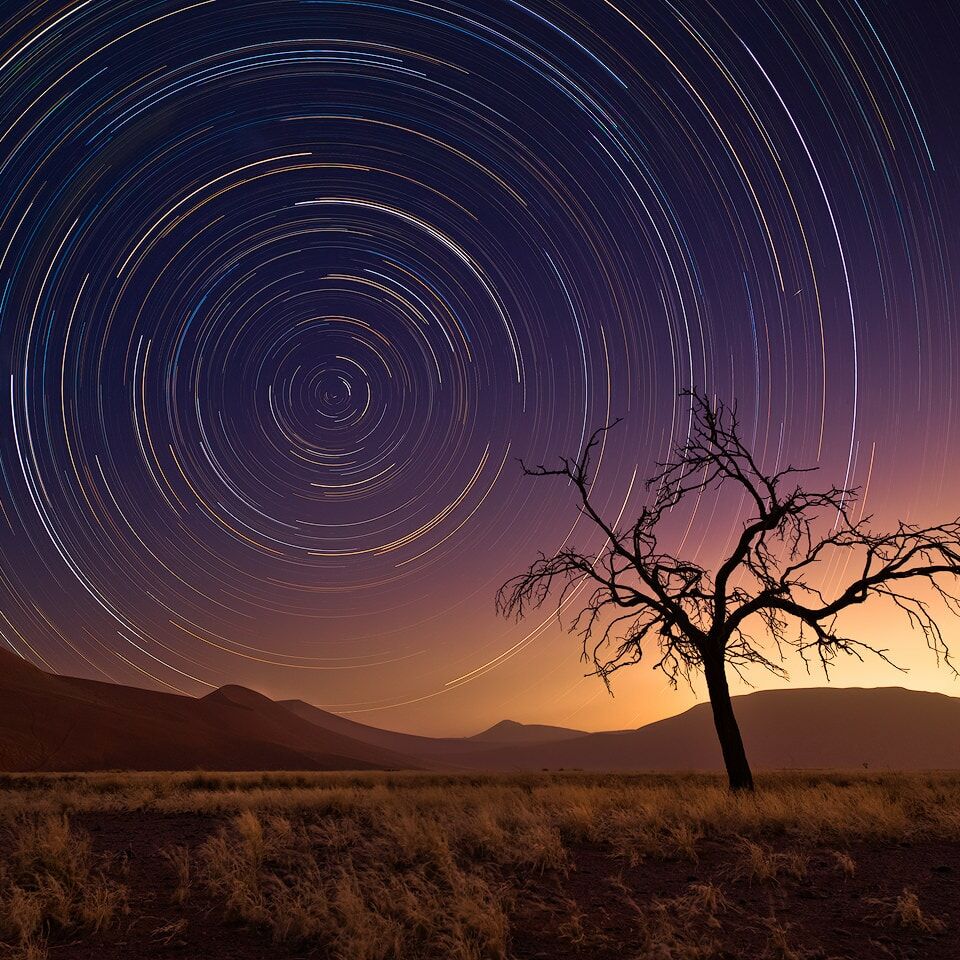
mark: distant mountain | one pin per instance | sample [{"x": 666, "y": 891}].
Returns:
[
  {"x": 387, "y": 739},
  {"x": 60, "y": 723},
  {"x": 435, "y": 749},
  {"x": 509, "y": 731},
  {"x": 50, "y": 722},
  {"x": 815, "y": 728}
]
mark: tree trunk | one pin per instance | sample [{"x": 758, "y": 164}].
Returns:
[{"x": 728, "y": 730}]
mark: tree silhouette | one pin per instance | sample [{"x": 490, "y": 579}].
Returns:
[{"x": 640, "y": 596}]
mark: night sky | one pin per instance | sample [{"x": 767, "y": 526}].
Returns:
[{"x": 286, "y": 288}]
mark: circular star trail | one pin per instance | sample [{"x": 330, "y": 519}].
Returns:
[{"x": 288, "y": 287}]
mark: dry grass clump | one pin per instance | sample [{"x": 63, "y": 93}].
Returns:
[
  {"x": 642, "y": 831},
  {"x": 178, "y": 857},
  {"x": 779, "y": 945},
  {"x": 904, "y": 910},
  {"x": 684, "y": 927},
  {"x": 51, "y": 883},
  {"x": 844, "y": 863},
  {"x": 761, "y": 863},
  {"x": 394, "y": 890}
]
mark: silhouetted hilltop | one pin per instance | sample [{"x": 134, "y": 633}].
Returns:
[
  {"x": 509, "y": 731},
  {"x": 62, "y": 723}
]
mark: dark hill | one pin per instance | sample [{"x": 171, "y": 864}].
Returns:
[
  {"x": 816, "y": 728},
  {"x": 509, "y": 731},
  {"x": 61, "y": 723}
]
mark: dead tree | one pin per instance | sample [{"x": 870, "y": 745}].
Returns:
[{"x": 761, "y": 600}]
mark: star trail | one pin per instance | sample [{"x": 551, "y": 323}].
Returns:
[{"x": 286, "y": 288}]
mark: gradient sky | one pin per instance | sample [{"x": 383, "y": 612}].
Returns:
[{"x": 287, "y": 287}]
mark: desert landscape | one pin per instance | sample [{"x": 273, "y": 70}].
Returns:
[{"x": 478, "y": 480}]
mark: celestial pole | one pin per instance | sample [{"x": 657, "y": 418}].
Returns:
[{"x": 286, "y": 289}]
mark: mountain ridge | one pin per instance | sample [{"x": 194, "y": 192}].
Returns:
[{"x": 52, "y": 722}]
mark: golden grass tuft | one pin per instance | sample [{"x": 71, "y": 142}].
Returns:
[
  {"x": 759, "y": 862},
  {"x": 178, "y": 858}
]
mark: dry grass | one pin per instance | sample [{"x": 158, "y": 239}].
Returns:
[
  {"x": 761, "y": 863},
  {"x": 178, "y": 857},
  {"x": 401, "y": 888},
  {"x": 390, "y": 866},
  {"x": 50, "y": 884},
  {"x": 779, "y": 945},
  {"x": 684, "y": 927},
  {"x": 646, "y": 815},
  {"x": 904, "y": 910},
  {"x": 844, "y": 863}
]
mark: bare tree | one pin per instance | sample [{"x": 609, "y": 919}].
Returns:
[{"x": 761, "y": 601}]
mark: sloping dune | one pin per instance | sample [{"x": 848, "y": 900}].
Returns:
[{"x": 61, "y": 723}]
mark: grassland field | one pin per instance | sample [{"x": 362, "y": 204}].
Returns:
[{"x": 431, "y": 867}]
